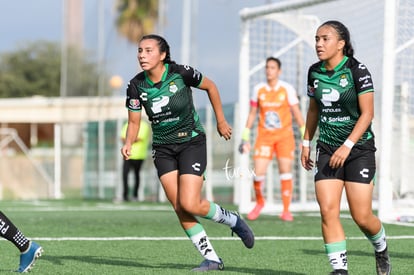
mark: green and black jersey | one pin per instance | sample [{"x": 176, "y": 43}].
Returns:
[
  {"x": 168, "y": 103},
  {"x": 336, "y": 93}
]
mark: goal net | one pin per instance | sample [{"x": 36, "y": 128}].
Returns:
[{"x": 286, "y": 30}]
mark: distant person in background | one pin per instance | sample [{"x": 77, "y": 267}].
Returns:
[
  {"x": 29, "y": 250},
  {"x": 179, "y": 151},
  {"x": 275, "y": 101},
  {"x": 341, "y": 105},
  {"x": 139, "y": 152}
]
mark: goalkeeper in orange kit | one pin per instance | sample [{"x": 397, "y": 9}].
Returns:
[{"x": 275, "y": 101}]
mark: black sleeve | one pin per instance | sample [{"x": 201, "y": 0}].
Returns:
[
  {"x": 311, "y": 82},
  {"x": 133, "y": 102},
  {"x": 191, "y": 76},
  {"x": 362, "y": 78}
]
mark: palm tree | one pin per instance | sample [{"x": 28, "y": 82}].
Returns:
[{"x": 136, "y": 18}]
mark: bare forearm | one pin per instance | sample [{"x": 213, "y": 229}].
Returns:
[
  {"x": 311, "y": 125},
  {"x": 251, "y": 117},
  {"x": 134, "y": 120}
]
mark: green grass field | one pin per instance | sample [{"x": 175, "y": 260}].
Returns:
[{"x": 100, "y": 237}]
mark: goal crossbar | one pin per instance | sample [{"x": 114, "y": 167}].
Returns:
[{"x": 250, "y": 13}]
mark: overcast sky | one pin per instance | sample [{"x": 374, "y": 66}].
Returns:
[{"x": 215, "y": 44}]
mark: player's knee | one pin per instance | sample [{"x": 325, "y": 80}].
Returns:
[
  {"x": 329, "y": 213},
  {"x": 188, "y": 205},
  {"x": 363, "y": 220}
]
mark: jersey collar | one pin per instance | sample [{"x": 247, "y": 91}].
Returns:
[
  {"x": 164, "y": 75},
  {"x": 274, "y": 88},
  {"x": 340, "y": 64}
]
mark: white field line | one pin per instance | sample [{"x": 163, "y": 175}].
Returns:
[
  {"x": 99, "y": 208},
  {"x": 263, "y": 238}
]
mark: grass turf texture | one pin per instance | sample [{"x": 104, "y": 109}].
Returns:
[{"x": 99, "y": 237}]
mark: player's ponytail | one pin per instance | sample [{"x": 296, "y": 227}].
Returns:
[
  {"x": 343, "y": 34},
  {"x": 163, "y": 46}
]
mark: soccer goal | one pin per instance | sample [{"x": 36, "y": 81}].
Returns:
[
  {"x": 383, "y": 38},
  {"x": 32, "y": 180}
]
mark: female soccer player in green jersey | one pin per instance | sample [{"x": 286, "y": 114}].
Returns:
[
  {"x": 163, "y": 88},
  {"x": 341, "y": 95}
]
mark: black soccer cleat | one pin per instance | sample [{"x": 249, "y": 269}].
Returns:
[
  {"x": 383, "y": 263},
  {"x": 244, "y": 232}
]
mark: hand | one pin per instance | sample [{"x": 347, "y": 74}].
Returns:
[
  {"x": 241, "y": 149},
  {"x": 224, "y": 129},
  {"x": 126, "y": 151},
  {"x": 244, "y": 147},
  {"x": 305, "y": 159},
  {"x": 339, "y": 157}
]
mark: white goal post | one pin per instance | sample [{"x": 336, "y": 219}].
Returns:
[{"x": 383, "y": 38}]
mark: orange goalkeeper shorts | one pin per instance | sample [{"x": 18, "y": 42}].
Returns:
[{"x": 281, "y": 147}]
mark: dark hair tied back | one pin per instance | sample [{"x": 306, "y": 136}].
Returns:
[{"x": 343, "y": 34}]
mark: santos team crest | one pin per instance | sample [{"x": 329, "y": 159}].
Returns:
[
  {"x": 173, "y": 88},
  {"x": 343, "y": 82}
]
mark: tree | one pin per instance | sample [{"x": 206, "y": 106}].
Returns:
[
  {"x": 136, "y": 18},
  {"x": 35, "y": 70}
]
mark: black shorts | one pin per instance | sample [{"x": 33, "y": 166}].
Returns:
[
  {"x": 359, "y": 166},
  {"x": 187, "y": 157}
]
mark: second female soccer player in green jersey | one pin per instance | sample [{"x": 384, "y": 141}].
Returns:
[{"x": 341, "y": 103}]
